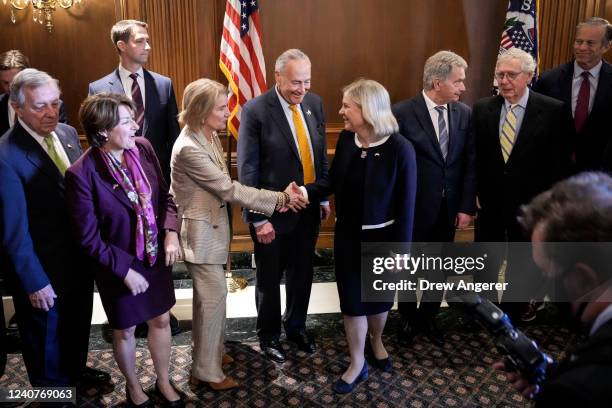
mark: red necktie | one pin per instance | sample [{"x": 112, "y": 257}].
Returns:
[
  {"x": 582, "y": 103},
  {"x": 137, "y": 99}
]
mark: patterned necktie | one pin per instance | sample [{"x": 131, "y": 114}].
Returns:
[
  {"x": 137, "y": 99},
  {"x": 508, "y": 133},
  {"x": 302, "y": 137},
  {"x": 442, "y": 131},
  {"x": 582, "y": 102},
  {"x": 54, "y": 154}
]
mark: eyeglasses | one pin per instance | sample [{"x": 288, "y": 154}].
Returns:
[{"x": 510, "y": 75}]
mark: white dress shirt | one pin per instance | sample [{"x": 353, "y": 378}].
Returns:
[
  {"x": 289, "y": 115},
  {"x": 433, "y": 114},
  {"x": 41, "y": 141},
  {"x": 11, "y": 115},
  {"x": 127, "y": 82}
]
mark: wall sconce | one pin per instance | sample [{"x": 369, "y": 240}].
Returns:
[{"x": 42, "y": 10}]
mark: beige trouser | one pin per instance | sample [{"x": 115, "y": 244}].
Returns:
[{"x": 209, "y": 295}]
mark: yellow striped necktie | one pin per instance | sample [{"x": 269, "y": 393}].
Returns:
[
  {"x": 54, "y": 154},
  {"x": 304, "y": 148},
  {"x": 508, "y": 133}
]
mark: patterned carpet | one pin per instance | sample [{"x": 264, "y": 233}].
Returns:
[{"x": 457, "y": 375}]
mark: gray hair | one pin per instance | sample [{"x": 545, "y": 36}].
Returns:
[
  {"x": 598, "y": 22},
  {"x": 289, "y": 55},
  {"x": 29, "y": 78},
  {"x": 439, "y": 66},
  {"x": 528, "y": 65},
  {"x": 375, "y": 104}
]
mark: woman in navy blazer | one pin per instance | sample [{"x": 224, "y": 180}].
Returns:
[
  {"x": 126, "y": 221},
  {"x": 373, "y": 177}
]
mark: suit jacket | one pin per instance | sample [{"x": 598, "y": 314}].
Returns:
[
  {"x": 160, "y": 125},
  {"x": 4, "y": 122},
  {"x": 267, "y": 153},
  {"x": 582, "y": 379},
  {"x": 593, "y": 146},
  {"x": 36, "y": 235},
  {"x": 453, "y": 178},
  {"x": 539, "y": 158},
  {"x": 102, "y": 216},
  {"x": 390, "y": 183},
  {"x": 202, "y": 187}
]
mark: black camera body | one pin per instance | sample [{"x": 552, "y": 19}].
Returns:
[{"x": 522, "y": 353}]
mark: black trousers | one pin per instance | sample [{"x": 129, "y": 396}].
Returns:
[
  {"x": 54, "y": 343},
  {"x": 293, "y": 254},
  {"x": 443, "y": 231}
]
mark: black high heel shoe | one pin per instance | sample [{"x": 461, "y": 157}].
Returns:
[
  {"x": 342, "y": 387},
  {"x": 384, "y": 364},
  {"x": 132, "y": 404},
  {"x": 179, "y": 403}
]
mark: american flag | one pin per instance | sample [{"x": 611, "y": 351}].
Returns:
[
  {"x": 521, "y": 29},
  {"x": 241, "y": 58}
]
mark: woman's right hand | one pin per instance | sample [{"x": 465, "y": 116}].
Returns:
[
  {"x": 297, "y": 201},
  {"x": 135, "y": 282}
]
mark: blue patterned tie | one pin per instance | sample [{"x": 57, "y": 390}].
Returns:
[{"x": 442, "y": 131}]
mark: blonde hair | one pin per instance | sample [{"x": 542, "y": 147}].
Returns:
[
  {"x": 199, "y": 100},
  {"x": 375, "y": 104}
]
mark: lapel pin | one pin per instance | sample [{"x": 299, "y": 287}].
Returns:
[
  {"x": 308, "y": 112},
  {"x": 69, "y": 146},
  {"x": 115, "y": 186},
  {"x": 376, "y": 154}
]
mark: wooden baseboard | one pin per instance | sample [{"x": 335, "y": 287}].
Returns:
[{"x": 243, "y": 243}]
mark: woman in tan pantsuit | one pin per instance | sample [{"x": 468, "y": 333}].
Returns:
[{"x": 202, "y": 187}]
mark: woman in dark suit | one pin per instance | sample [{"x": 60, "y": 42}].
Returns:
[
  {"x": 126, "y": 220},
  {"x": 373, "y": 177}
]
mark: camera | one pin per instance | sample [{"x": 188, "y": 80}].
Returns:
[{"x": 522, "y": 353}]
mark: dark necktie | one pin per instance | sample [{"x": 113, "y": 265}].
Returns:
[
  {"x": 442, "y": 131},
  {"x": 137, "y": 99},
  {"x": 582, "y": 103}
]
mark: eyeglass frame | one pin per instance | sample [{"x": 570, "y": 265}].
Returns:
[{"x": 512, "y": 76}]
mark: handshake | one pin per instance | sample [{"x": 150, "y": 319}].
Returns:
[{"x": 292, "y": 198}]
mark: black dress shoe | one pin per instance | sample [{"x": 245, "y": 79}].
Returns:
[
  {"x": 433, "y": 333},
  {"x": 405, "y": 335},
  {"x": 384, "y": 364},
  {"x": 272, "y": 349},
  {"x": 303, "y": 341},
  {"x": 93, "y": 376},
  {"x": 147, "y": 404},
  {"x": 179, "y": 403}
]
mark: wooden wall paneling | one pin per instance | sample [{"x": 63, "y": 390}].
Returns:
[
  {"x": 77, "y": 52},
  {"x": 557, "y": 21},
  {"x": 482, "y": 44}
]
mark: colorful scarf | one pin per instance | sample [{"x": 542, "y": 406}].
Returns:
[{"x": 139, "y": 194}]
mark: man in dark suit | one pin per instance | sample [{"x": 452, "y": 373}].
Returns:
[
  {"x": 521, "y": 150},
  {"x": 282, "y": 139},
  {"x": 11, "y": 62},
  {"x": 152, "y": 93},
  {"x": 571, "y": 218},
  {"x": 45, "y": 271},
  {"x": 438, "y": 125},
  {"x": 585, "y": 85}
]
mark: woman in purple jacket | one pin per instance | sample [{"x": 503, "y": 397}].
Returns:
[{"x": 125, "y": 220}]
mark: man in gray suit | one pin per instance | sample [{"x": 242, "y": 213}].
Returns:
[
  {"x": 152, "y": 93},
  {"x": 282, "y": 139}
]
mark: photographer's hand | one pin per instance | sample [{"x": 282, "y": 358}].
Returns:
[{"x": 520, "y": 383}]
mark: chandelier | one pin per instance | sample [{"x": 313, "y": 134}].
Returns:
[{"x": 42, "y": 10}]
